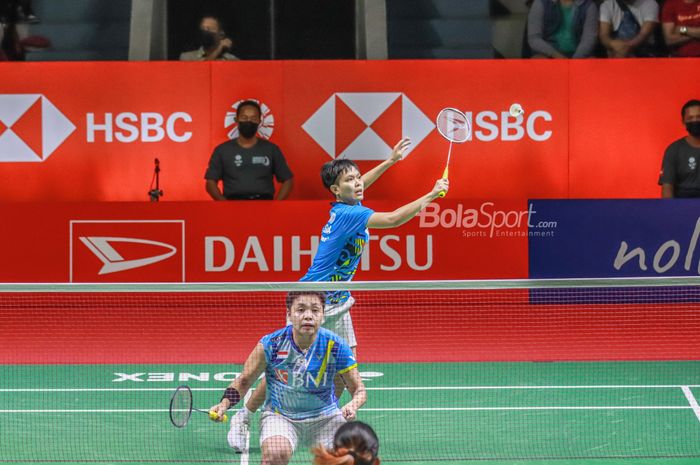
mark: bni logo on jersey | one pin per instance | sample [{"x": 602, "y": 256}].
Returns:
[
  {"x": 127, "y": 251},
  {"x": 366, "y": 125},
  {"x": 31, "y": 128}
]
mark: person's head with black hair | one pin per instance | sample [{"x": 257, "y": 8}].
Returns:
[
  {"x": 689, "y": 104},
  {"x": 342, "y": 177},
  {"x": 691, "y": 117},
  {"x": 355, "y": 443},
  {"x": 212, "y": 34}
]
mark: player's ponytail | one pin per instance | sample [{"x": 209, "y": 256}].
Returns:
[
  {"x": 323, "y": 456},
  {"x": 355, "y": 443}
]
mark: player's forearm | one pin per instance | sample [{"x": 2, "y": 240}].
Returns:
[
  {"x": 405, "y": 213},
  {"x": 241, "y": 386},
  {"x": 372, "y": 175},
  {"x": 359, "y": 397}
]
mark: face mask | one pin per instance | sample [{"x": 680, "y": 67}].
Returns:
[
  {"x": 693, "y": 128},
  {"x": 247, "y": 129},
  {"x": 207, "y": 39}
]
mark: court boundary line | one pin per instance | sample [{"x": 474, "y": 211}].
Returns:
[
  {"x": 245, "y": 455},
  {"x": 388, "y": 388},
  {"x": 432, "y": 460},
  {"x": 691, "y": 400},
  {"x": 393, "y": 409}
]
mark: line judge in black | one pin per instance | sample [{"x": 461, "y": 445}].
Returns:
[{"x": 247, "y": 164}]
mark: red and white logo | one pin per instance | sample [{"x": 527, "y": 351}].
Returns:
[
  {"x": 127, "y": 251},
  {"x": 366, "y": 125},
  {"x": 267, "y": 121},
  {"x": 103, "y": 248},
  {"x": 31, "y": 128},
  {"x": 282, "y": 375}
]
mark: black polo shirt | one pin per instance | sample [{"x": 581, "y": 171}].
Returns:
[
  {"x": 247, "y": 172},
  {"x": 680, "y": 169}
]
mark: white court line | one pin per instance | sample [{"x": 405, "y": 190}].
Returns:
[
  {"x": 396, "y": 388},
  {"x": 398, "y": 409},
  {"x": 245, "y": 456},
  {"x": 692, "y": 401}
]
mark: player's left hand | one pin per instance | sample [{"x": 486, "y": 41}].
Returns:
[
  {"x": 219, "y": 410},
  {"x": 399, "y": 149},
  {"x": 349, "y": 413}
]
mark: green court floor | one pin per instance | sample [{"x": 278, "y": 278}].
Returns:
[{"x": 642, "y": 413}]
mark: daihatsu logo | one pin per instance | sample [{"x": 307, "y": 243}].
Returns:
[{"x": 114, "y": 262}]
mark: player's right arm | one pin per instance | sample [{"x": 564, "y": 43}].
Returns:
[
  {"x": 383, "y": 220},
  {"x": 252, "y": 369},
  {"x": 356, "y": 387}
]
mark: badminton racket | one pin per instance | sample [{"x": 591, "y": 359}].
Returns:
[{"x": 454, "y": 126}]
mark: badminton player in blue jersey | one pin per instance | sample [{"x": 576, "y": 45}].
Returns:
[
  {"x": 300, "y": 363},
  {"x": 343, "y": 239}
]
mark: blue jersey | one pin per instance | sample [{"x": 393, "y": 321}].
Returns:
[
  {"x": 342, "y": 241},
  {"x": 300, "y": 386}
]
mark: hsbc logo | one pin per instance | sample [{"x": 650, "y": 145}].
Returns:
[
  {"x": 127, "y": 251},
  {"x": 31, "y": 128},
  {"x": 366, "y": 125}
]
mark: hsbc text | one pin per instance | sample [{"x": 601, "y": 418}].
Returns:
[
  {"x": 488, "y": 128},
  {"x": 143, "y": 127},
  {"x": 285, "y": 253}
]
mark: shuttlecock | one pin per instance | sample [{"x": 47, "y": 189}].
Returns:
[{"x": 516, "y": 110}]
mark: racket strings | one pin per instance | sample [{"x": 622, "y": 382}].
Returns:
[
  {"x": 453, "y": 125},
  {"x": 181, "y": 407}
]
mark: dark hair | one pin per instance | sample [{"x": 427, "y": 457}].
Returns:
[
  {"x": 294, "y": 295},
  {"x": 688, "y": 104},
  {"x": 352, "y": 444},
  {"x": 334, "y": 168},
  {"x": 218, "y": 21},
  {"x": 248, "y": 103}
]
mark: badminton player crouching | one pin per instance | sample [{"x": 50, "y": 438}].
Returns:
[{"x": 300, "y": 362}]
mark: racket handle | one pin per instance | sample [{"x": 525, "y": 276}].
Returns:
[{"x": 442, "y": 194}]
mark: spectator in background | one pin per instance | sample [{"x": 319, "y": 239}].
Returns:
[
  {"x": 627, "y": 27},
  {"x": 15, "y": 40},
  {"x": 562, "y": 28},
  {"x": 679, "y": 170},
  {"x": 20, "y": 10},
  {"x": 247, "y": 163},
  {"x": 680, "y": 20},
  {"x": 25, "y": 11},
  {"x": 212, "y": 41}
]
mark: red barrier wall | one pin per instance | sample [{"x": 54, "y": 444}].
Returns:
[
  {"x": 242, "y": 241},
  {"x": 591, "y": 129}
]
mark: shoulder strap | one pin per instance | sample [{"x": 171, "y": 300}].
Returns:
[
  {"x": 622, "y": 5},
  {"x": 626, "y": 9}
]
